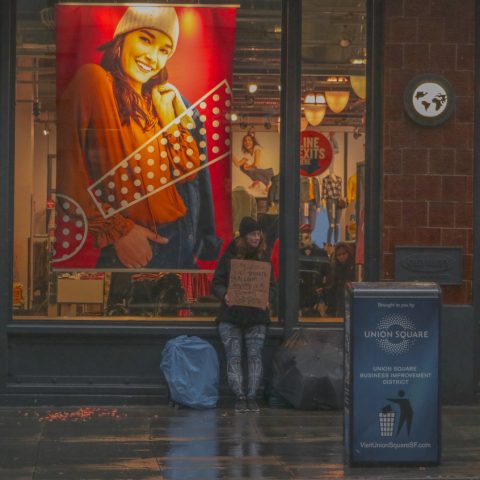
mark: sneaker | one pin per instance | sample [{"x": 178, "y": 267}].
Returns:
[
  {"x": 240, "y": 405},
  {"x": 252, "y": 405}
]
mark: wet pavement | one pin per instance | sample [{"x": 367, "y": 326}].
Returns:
[{"x": 164, "y": 443}]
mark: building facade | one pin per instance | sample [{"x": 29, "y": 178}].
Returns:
[{"x": 381, "y": 97}]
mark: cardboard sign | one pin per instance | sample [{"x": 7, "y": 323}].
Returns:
[{"x": 249, "y": 283}]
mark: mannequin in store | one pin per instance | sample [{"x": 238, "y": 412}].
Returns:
[
  {"x": 310, "y": 200},
  {"x": 243, "y": 205},
  {"x": 331, "y": 196},
  {"x": 249, "y": 163},
  {"x": 333, "y": 142},
  {"x": 273, "y": 196}
]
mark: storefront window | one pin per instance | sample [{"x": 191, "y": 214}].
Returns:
[
  {"x": 144, "y": 134},
  {"x": 332, "y": 155}
]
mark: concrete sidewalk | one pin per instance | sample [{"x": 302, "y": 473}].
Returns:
[{"x": 106, "y": 443}]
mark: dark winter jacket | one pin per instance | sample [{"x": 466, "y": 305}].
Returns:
[
  {"x": 335, "y": 295},
  {"x": 241, "y": 316}
]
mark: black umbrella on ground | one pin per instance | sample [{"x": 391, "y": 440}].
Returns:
[{"x": 308, "y": 370}]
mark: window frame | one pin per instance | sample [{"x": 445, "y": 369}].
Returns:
[{"x": 290, "y": 138}]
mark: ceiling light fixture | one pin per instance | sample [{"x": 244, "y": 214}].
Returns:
[
  {"x": 234, "y": 117},
  {"x": 303, "y": 123},
  {"x": 337, "y": 100},
  {"x": 336, "y": 79},
  {"x": 314, "y": 108},
  {"x": 357, "y": 133},
  {"x": 252, "y": 87},
  {"x": 359, "y": 85},
  {"x": 359, "y": 57},
  {"x": 358, "y": 61},
  {"x": 344, "y": 41}
]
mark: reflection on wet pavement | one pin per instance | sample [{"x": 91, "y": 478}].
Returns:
[{"x": 166, "y": 443}]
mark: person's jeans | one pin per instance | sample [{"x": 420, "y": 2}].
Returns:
[
  {"x": 232, "y": 337},
  {"x": 333, "y": 214}
]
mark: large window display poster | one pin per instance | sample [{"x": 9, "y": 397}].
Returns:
[{"x": 143, "y": 144}]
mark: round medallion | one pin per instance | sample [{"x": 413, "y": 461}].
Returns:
[{"x": 429, "y": 99}]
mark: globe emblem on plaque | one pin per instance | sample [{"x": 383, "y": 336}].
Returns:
[{"x": 430, "y": 99}]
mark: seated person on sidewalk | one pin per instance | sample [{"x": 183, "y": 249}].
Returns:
[
  {"x": 239, "y": 324},
  {"x": 314, "y": 268},
  {"x": 343, "y": 271}
]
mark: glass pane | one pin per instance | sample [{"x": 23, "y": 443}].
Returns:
[
  {"x": 332, "y": 155},
  {"x": 143, "y": 136}
]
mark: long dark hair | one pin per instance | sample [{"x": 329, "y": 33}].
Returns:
[
  {"x": 243, "y": 249},
  {"x": 255, "y": 142},
  {"x": 128, "y": 101},
  {"x": 341, "y": 273},
  {"x": 345, "y": 247}
]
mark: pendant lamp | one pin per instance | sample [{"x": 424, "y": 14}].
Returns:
[
  {"x": 303, "y": 124},
  {"x": 314, "y": 108},
  {"x": 337, "y": 99},
  {"x": 359, "y": 85}
]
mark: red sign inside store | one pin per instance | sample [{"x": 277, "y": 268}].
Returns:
[{"x": 315, "y": 153}]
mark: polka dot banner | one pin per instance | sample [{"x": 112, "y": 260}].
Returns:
[
  {"x": 147, "y": 170},
  {"x": 71, "y": 228}
]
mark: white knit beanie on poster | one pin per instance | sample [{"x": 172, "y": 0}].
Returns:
[{"x": 163, "y": 19}]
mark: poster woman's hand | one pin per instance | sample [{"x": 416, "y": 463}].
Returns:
[
  {"x": 133, "y": 249},
  {"x": 169, "y": 104},
  {"x": 238, "y": 161}
]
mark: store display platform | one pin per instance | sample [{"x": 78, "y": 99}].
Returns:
[{"x": 165, "y": 443}]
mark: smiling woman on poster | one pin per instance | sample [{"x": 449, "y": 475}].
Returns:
[{"x": 110, "y": 117}]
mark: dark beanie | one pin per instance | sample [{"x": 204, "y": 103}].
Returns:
[{"x": 248, "y": 225}]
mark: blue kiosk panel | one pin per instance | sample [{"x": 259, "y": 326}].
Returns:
[{"x": 392, "y": 408}]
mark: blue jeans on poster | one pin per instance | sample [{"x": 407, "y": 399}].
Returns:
[{"x": 177, "y": 253}]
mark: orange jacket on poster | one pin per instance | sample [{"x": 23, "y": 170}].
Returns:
[{"x": 94, "y": 141}]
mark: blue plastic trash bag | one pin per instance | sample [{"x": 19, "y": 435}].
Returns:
[{"x": 190, "y": 366}]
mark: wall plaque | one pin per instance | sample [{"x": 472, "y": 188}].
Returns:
[
  {"x": 443, "y": 265},
  {"x": 429, "y": 99}
]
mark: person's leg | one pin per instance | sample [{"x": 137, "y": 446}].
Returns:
[
  {"x": 337, "y": 215},
  {"x": 331, "y": 219},
  {"x": 231, "y": 337},
  {"x": 312, "y": 214},
  {"x": 303, "y": 212},
  {"x": 254, "y": 341}
]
